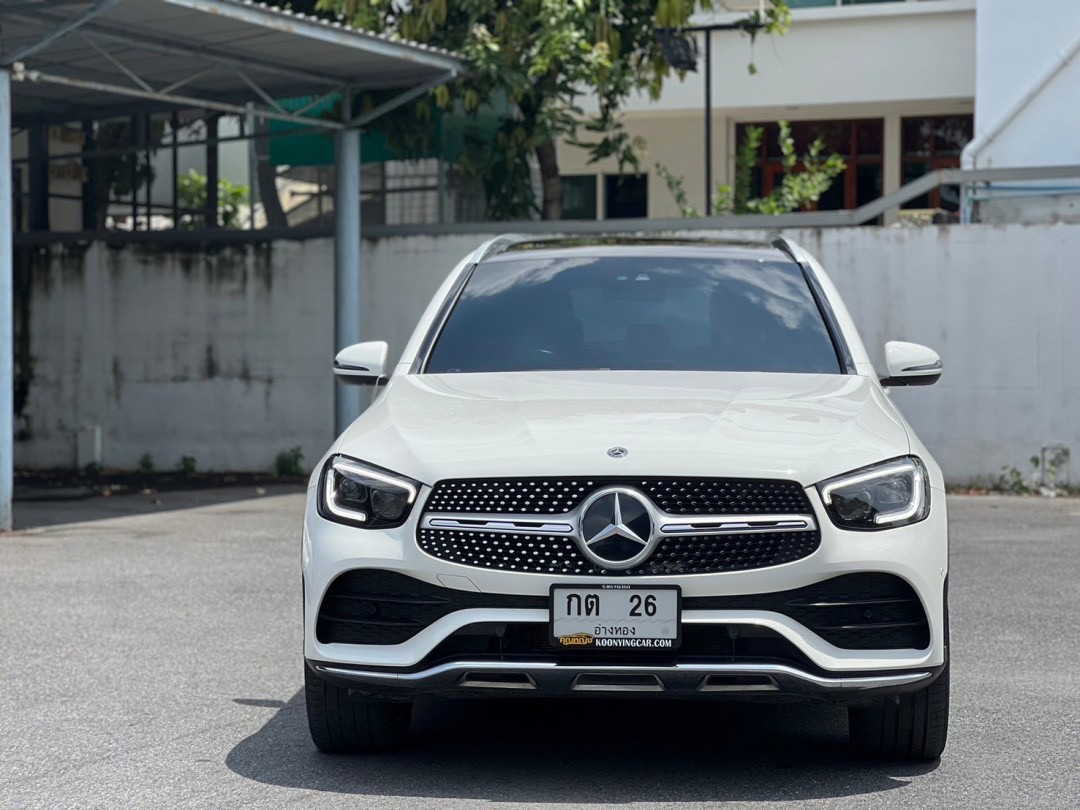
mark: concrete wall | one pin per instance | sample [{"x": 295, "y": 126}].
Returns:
[
  {"x": 998, "y": 303},
  {"x": 219, "y": 353},
  {"x": 227, "y": 358}
]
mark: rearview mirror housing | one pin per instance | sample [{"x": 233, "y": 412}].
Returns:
[
  {"x": 910, "y": 364},
  {"x": 362, "y": 363}
]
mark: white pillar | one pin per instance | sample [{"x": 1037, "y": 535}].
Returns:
[
  {"x": 346, "y": 263},
  {"x": 7, "y": 336}
]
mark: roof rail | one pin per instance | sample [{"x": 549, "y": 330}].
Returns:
[
  {"x": 496, "y": 245},
  {"x": 792, "y": 249}
]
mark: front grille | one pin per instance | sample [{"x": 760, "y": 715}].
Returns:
[
  {"x": 678, "y": 496},
  {"x": 865, "y": 611},
  {"x": 553, "y": 554},
  {"x": 384, "y": 607},
  {"x": 559, "y": 554},
  {"x": 852, "y": 611}
]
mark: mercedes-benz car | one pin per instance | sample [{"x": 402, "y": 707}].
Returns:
[{"x": 618, "y": 467}]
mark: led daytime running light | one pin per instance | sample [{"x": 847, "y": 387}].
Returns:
[
  {"x": 342, "y": 465},
  {"x": 906, "y": 466},
  {"x": 911, "y": 511}
]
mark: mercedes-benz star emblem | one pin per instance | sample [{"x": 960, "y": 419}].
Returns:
[
  {"x": 616, "y": 528},
  {"x": 618, "y": 452}
]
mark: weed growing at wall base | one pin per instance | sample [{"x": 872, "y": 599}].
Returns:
[
  {"x": 288, "y": 462},
  {"x": 1048, "y": 477}
]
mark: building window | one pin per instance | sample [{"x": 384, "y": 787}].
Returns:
[
  {"x": 859, "y": 143},
  {"x": 578, "y": 196},
  {"x": 930, "y": 143},
  {"x": 626, "y": 196}
]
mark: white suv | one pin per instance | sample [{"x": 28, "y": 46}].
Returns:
[{"x": 640, "y": 468}]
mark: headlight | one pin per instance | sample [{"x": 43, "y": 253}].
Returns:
[
  {"x": 894, "y": 493},
  {"x": 362, "y": 495}
]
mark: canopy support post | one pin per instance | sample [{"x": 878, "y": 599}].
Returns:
[
  {"x": 347, "y": 259},
  {"x": 7, "y": 336}
]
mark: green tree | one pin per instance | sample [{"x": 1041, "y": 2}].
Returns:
[
  {"x": 191, "y": 189},
  {"x": 540, "y": 57},
  {"x": 806, "y": 178}
]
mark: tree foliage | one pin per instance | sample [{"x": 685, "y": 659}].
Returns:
[
  {"x": 541, "y": 57},
  {"x": 806, "y": 178},
  {"x": 192, "y": 192}
]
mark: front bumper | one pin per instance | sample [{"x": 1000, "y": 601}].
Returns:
[{"x": 917, "y": 554}]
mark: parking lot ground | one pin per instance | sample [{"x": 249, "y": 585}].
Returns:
[{"x": 150, "y": 656}]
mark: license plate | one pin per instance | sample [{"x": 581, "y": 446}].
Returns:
[{"x": 615, "y": 617}]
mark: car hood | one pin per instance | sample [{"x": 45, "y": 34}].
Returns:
[{"x": 804, "y": 427}]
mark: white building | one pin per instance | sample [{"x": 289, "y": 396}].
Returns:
[
  {"x": 897, "y": 87},
  {"x": 1027, "y": 112}
]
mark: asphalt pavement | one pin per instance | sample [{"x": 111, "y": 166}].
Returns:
[{"x": 150, "y": 656}]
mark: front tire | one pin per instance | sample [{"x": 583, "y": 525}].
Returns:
[
  {"x": 343, "y": 724},
  {"x": 913, "y": 726}
]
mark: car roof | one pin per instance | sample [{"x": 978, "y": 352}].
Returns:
[{"x": 517, "y": 248}]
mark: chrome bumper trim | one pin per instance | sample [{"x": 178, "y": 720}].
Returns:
[{"x": 550, "y": 676}]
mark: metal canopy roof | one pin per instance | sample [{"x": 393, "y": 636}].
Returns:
[{"x": 72, "y": 59}]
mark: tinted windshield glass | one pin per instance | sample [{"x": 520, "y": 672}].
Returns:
[{"x": 635, "y": 312}]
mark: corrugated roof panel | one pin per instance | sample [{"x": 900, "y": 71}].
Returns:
[{"x": 164, "y": 41}]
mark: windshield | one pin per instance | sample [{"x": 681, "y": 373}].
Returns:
[{"x": 687, "y": 313}]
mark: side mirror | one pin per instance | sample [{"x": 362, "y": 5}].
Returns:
[
  {"x": 361, "y": 363},
  {"x": 910, "y": 364}
]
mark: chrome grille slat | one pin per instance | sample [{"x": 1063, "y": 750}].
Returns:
[
  {"x": 519, "y": 524},
  {"x": 669, "y": 525}
]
